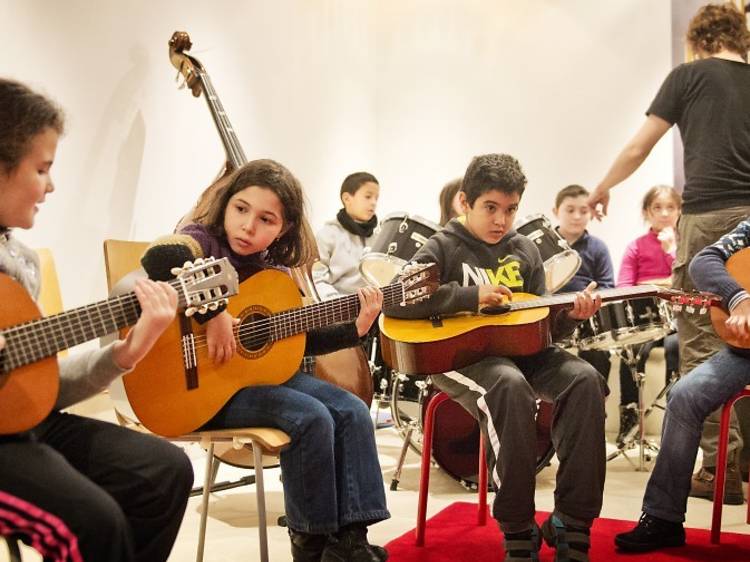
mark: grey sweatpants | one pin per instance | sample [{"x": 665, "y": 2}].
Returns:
[{"x": 501, "y": 394}]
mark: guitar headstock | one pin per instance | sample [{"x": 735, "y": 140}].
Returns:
[
  {"x": 419, "y": 281},
  {"x": 188, "y": 67},
  {"x": 205, "y": 284},
  {"x": 689, "y": 301}
]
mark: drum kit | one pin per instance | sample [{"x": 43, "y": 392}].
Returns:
[
  {"x": 623, "y": 327},
  {"x": 456, "y": 441}
]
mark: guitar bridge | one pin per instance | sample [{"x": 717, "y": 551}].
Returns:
[{"x": 189, "y": 357}]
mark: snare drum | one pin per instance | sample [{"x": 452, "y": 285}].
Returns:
[
  {"x": 629, "y": 322},
  {"x": 398, "y": 239},
  {"x": 560, "y": 261}
]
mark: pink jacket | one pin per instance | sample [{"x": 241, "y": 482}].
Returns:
[{"x": 644, "y": 259}]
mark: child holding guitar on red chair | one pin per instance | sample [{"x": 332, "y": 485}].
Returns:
[
  {"x": 333, "y": 487},
  {"x": 482, "y": 262},
  {"x": 695, "y": 396},
  {"x": 76, "y": 488}
]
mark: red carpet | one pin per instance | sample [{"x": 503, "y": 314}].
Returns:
[{"x": 453, "y": 536}]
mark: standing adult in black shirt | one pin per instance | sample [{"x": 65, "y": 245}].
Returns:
[{"x": 709, "y": 101}]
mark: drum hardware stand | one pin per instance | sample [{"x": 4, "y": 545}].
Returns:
[
  {"x": 638, "y": 437},
  {"x": 406, "y": 431}
]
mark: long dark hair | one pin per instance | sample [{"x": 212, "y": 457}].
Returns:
[
  {"x": 295, "y": 247},
  {"x": 446, "y": 200},
  {"x": 23, "y": 115}
]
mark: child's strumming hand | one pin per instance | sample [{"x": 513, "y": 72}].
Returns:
[
  {"x": 586, "y": 304},
  {"x": 371, "y": 303},
  {"x": 220, "y": 337},
  {"x": 738, "y": 322},
  {"x": 494, "y": 295}
]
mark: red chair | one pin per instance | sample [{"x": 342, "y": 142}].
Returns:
[
  {"x": 424, "y": 479},
  {"x": 721, "y": 467}
]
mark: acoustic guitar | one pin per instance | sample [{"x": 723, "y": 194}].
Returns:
[
  {"x": 29, "y": 379},
  {"x": 519, "y": 327},
  {"x": 738, "y": 266},
  {"x": 270, "y": 339}
]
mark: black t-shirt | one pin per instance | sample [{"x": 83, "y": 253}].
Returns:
[{"x": 709, "y": 100}]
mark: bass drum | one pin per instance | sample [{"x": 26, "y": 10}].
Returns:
[{"x": 456, "y": 439}]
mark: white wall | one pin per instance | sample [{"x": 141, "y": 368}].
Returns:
[{"x": 409, "y": 90}]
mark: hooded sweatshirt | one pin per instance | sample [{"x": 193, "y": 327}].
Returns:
[{"x": 466, "y": 262}]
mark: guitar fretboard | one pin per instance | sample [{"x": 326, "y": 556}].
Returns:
[
  {"x": 37, "y": 339},
  {"x": 305, "y": 318},
  {"x": 606, "y": 295}
]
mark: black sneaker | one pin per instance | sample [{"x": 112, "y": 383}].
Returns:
[
  {"x": 523, "y": 546},
  {"x": 651, "y": 533},
  {"x": 350, "y": 545},
  {"x": 628, "y": 422}
]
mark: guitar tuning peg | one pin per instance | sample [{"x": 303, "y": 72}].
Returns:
[
  {"x": 203, "y": 309},
  {"x": 176, "y": 271},
  {"x": 199, "y": 261},
  {"x": 213, "y": 306},
  {"x": 190, "y": 311},
  {"x": 187, "y": 265}
]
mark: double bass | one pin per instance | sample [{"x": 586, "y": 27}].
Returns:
[{"x": 347, "y": 368}]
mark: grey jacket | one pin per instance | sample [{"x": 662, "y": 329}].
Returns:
[
  {"x": 337, "y": 273},
  {"x": 81, "y": 375}
]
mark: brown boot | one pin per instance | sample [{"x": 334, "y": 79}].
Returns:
[{"x": 702, "y": 485}]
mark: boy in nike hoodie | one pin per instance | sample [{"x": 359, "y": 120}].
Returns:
[{"x": 482, "y": 261}]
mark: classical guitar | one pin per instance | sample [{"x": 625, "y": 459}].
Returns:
[
  {"x": 738, "y": 267},
  {"x": 520, "y": 327},
  {"x": 28, "y": 365},
  {"x": 270, "y": 340}
]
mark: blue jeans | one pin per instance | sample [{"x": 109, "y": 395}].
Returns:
[
  {"x": 690, "y": 401},
  {"x": 331, "y": 472}
]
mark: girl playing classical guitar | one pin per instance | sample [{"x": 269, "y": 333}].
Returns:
[
  {"x": 76, "y": 488},
  {"x": 333, "y": 487}
]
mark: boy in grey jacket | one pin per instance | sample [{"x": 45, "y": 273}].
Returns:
[
  {"x": 482, "y": 262},
  {"x": 342, "y": 241}
]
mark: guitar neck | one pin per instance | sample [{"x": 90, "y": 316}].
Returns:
[
  {"x": 235, "y": 154},
  {"x": 605, "y": 294},
  {"x": 334, "y": 311},
  {"x": 35, "y": 340}
]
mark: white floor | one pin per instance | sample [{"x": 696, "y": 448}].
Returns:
[{"x": 232, "y": 523}]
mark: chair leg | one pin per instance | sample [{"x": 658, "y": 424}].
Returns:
[
  {"x": 721, "y": 467},
  {"x": 424, "y": 478},
  {"x": 482, "y": 513},
  {"x": 204, "y": 502},
  {"x": 14, "y": 552},
  {"x": 260, "y": 495}
]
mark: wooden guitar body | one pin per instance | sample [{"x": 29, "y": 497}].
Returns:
[
  {"x": 424, "y": 347},
  {"x": 738, "y": 266},
  {"x": 158, "y": 389},
  {"x": 28, "y": 393}
]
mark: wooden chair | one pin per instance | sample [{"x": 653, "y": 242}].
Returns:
[
  {"x": 50, "y": 297},
  {"x": 721, "y": 466},
  {"x": 122, "y": 257}
]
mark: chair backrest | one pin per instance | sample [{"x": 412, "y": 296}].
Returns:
[
  {"x": 121, "y": 257},
  {"x": 50, "y": 297}
]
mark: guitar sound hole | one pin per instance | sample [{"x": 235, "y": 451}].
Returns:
[{"x": 254, "y": 332}]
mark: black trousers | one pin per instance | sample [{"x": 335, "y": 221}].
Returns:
[{"x": 79, "y": 489}]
